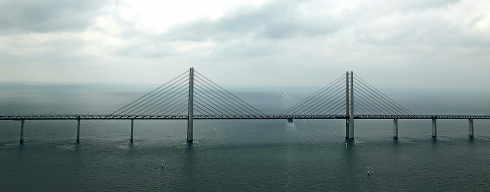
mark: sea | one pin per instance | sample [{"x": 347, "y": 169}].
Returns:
[{"x": 238, "y": 155}]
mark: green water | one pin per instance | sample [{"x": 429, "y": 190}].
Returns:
[{"x": 230, "y": 155}]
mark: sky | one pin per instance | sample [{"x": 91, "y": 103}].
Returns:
[{"x": 388, "y": 43}]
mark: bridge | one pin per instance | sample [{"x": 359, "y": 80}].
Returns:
[{"x": 191, "y": 96}]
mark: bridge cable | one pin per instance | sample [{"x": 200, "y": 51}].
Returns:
[
  {"x": 320, "y": 98},
  {"x": 148, "y": 93},
  {"x": 335, "y": 98},
  {"x": 312, "y": 96},
  {"x": 157, "y": 104},
  {"x": 376, "y": 101},
  {"x": 227, "y": 99},
  {"x": 385, "y": 100},
  {"x": 309, "y": 98},
  {"x": 386, "y": 97},
  {"x": 373, "y": 103},
  {"x": 156, "y": 101},
  {"x": 366, "y": 110},
  {"x": 229, "y": 96},
  {"x": 174, "y": 106},
  {"x": 214, "y": 101},
  {"x": 205, "y": 101},
  {"x": 333, "y": 105}
]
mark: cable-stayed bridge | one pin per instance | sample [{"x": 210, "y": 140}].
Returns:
[{"x": 192, "y": 95}]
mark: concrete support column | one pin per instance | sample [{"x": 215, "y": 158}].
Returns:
[
  {"x": 190, "y": 120},
  {"x": 395, "y": 128},
  {"x": 347, "y": 104},
  {"x": 351, "y": 111},
  {"x": 22, "y": 131},
  {"x": 470, "y": 126},
  {"x": 78, "y": 129},
  {"x": 132, "y": 123},
  {"x": 347, "y": 128},
  {"x": 434, "y": 127}
]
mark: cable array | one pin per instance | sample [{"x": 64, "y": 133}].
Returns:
[
  {"x": 212, "y": 99},
  {"x": 169, "y": 99},
  {"x": 172, "y": 98},
  {"x": 329, "y": 100},
  {"x": 370, "y": 101}
]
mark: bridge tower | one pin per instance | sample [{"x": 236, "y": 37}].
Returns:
[
  {"x": 349, "y": 105},
  {"x": 351, "y": 111},
  {"x": 190, "y": 113}
]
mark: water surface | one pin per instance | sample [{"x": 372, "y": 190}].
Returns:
[{"x": 230, "y": 155}]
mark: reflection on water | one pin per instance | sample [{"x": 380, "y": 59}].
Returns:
[
  {"x": 290, "y": 128},
  {"x": 433, "y": 141}
]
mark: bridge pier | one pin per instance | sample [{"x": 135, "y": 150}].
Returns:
[
  {"x": 470, "y": 126},
  {"x": 78, "y": 129},
  {"x": 346, "y": 128},
  {"x": 132, "y": 123},
  {"x": 395, "y": 128},
  {"x": 434, "y": 127},
  {"x": 190, "y": 120},
  {"x": 22, "y": 131}
]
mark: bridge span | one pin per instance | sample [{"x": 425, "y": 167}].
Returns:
[
  {"x": 210, "y": 117},
  {"x": 200, "y": 117},
  {"x": 192, "y": 96}
]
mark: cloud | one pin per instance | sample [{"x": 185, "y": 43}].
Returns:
[
  {"x": 355, "y": 28},
  {"x": 49, "y": 15},
  {"x": 290, "y": 19},
  {"x": 280, "y": 19},
  {"x": 308, "y": 40}
]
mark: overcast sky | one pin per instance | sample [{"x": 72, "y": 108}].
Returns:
[{"x": 389, "y": 43}]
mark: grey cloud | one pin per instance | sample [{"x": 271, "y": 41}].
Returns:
[
  {"x": 243, "y": 48},
  {"x": 144, "y": 49},
  {"x": 48, "y": 15},
  {"x": 288, "y": 19},
  {"x": 278, "y": 20},
  {"x": 250, "y": 33},
  {"x": 367, "y": 10},
  {"x": 421, "y": 4},
  {"x": 255, "y": 32}
]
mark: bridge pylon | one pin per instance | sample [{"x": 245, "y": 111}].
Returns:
[
  {"x": 190, "y": 113},
  {"x": 351, "y": 111},
  {"x": 349, "y": 105}
]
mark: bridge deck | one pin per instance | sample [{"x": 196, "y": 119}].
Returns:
[{"x": 119, "y": 117}]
